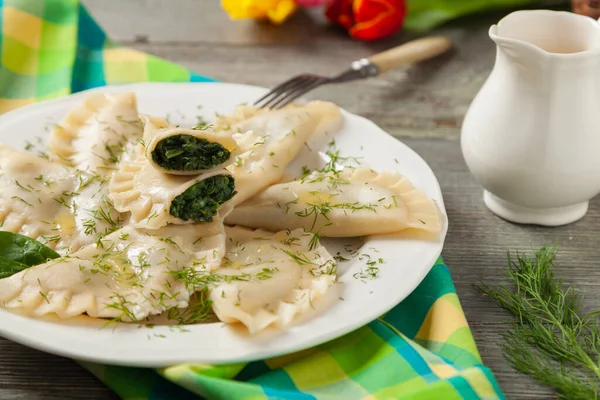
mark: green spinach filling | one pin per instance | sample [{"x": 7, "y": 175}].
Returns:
[
  {"x": 188, "y": 153},
  {"x": 201, "y": 201}
]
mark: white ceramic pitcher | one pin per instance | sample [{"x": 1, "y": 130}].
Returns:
[{"x": 531, "y": 136}]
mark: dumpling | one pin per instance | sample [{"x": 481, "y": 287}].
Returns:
[
  {"x": 92, "y": 215},
  {"x": 272, "y": 279},
  {"x": 270, "y": 139},
  {"x": 351, "y": 202},
  {"x": 94, "y": 134},
  {"x": 61, "y": 207},
  {"x": 34, "y": 196},
  {"x": 156, "y": 199},
  {"x": 127, "y": 276},
  {"x": 183, "y": 151}
]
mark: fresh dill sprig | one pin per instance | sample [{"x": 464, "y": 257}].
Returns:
[{"x": 551, "y": 340}]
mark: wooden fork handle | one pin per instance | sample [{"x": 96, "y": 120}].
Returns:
[{"x": 411, "y": 52}]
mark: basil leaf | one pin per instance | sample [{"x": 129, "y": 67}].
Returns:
[
  {"x": 10, "y": 267},
  {"x": 24, "y": 250}
]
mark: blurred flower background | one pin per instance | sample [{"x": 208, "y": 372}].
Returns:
[{"x": 378, "y": 19}]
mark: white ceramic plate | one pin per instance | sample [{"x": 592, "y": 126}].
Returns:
[{"x": 406, "y": 261}]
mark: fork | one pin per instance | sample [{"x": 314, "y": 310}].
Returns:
[{"x": 405, "y": 54}]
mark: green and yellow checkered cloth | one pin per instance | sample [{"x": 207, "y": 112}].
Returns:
[{"x": 421, "y": 349}]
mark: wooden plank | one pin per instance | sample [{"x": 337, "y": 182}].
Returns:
[
  {"x": 200, "y": 21},
  {"x": 428, "y": 100},
  {"x": 28, "y": 374}
]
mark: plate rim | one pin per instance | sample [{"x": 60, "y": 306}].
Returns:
[{"x": 317, "y": 339}]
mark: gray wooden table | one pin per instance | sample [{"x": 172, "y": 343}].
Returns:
[{"x": 423, "y": 107}]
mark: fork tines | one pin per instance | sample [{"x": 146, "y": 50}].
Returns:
[{"x": 290, "y": 90}]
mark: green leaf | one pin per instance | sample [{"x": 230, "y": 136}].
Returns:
[
  {"x": 24, "y": 250},
  {"x": 424, "y": 15},
  {"x": 10, "y": 267}
]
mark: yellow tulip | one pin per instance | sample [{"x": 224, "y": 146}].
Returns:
[{"x": 276, "y": 11}]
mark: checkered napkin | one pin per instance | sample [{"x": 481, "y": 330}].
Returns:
[{"x": 421, "y": 349}]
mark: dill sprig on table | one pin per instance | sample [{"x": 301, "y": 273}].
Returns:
[{"x": 551, "y": 340}]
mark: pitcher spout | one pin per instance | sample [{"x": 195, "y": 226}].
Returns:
[{"x": 547, "y": 33}]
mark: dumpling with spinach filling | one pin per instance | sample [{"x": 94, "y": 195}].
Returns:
[
  {"x": 183, "y": 151},
  {"x": 156, "y": 199}
]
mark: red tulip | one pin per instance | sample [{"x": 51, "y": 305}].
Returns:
[{"x": 368, "y": 19}]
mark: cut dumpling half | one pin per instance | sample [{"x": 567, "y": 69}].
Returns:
[
  {"x": 34, "y": 196},
  {"x": 184, "y": 151},
  {"x": 156, "y": 199},
  {"x": 127, "y": 276},
  {"x": 270, "y": 139},
  {"x": 95, "y": 133},
  {"x": 271, "y": 279},
  {"x": 352, "y": 202}
]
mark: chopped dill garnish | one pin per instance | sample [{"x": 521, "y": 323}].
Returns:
[
  {"x": 261, "y": 141},
  {"x": 339, "y": 258},
  {"x": 45, "y": 296},
  {"x": 113, "y": 152},
  {"x": 369, "y": 272},
  {"x": 170, "y": 241},
  {"x": 120, "y": 303},
  {"x": 134, "y": 123},
  {"x": 104, "y": 215},
  {"x": 305, "y": 171},
  {"x": 22, "y": 187},
  {"x": 200, "y": 310},
  {"x": 291, "y": 241},
  {"x": 61, "y": 200},
  {"x": 300, "y": 259},
  {"x": 325, "y": 208},
  {"x": 153, "y": 215},
  {"x": 22, "y": 200},
  {"x": 89, "y": 227}
]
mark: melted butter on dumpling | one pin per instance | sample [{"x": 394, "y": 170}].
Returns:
[
  {"x": 34, "y": 196},
  {"x": 273, "y": 278},
  {"x": 352, "y": 202},
  {"x": 61, "y": 207},
  {"x": 128, "y": 275},
  {"x": 91, "y": 216},
  {"x": 270, "y": 139}
]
